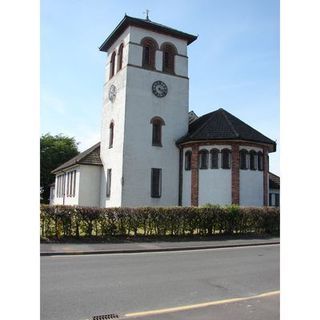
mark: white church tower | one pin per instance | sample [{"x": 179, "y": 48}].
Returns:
[{"x": 145, "y": 111}]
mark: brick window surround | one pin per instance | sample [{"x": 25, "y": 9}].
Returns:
[
  {"x": 195, "y": 175},
  {"x": 235, "y": 174},
  {"x": 203, "y": 159},
  {"x": 168, "y": 56},
  {"x": 120, "y": 57},
  {"x": 157, "y": 124},
  {"x": 265, "y": 176},
  {"x": 187, "y": 160},
  {"x": 112, "y": 65},
  {"x": 214, "y": 158},
  {"x": 149, "y": 52},
  {"x": 235, "y": 169}
]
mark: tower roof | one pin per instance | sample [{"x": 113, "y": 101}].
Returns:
[
  {"x": 222, "y": 125},
  {"x": 145, "y": 24}
]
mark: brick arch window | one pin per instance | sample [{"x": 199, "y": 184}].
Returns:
[
  {"x": 157, "y": 124},
  {"x": 214, "y": 153},
  {"x": 169, "y": 51},
  {"x": 112, "y": 64},
  {"x": 225, "y": 159},
  {"x": 149, "y": 52},
  {"x": 187, "y": 160},
  {"x": 243, "y": 159},
  {"x": 253, "y": 160},
  {"x": 111, "y": 134},
  {"x": 120, "y": 57},
  {"x": 203, "y": 159},
  {"x": 260, "y": 161}
]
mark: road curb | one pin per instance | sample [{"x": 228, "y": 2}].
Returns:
[{"x": 73, "y": 253}]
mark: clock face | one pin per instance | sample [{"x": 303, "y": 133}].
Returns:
[
  {"x": 112, "y": 93},
  {"x": 159, "y": 89}
]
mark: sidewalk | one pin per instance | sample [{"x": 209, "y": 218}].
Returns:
[{"x": 47, "y": 249}]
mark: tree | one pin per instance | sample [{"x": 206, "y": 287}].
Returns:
[{"x": 54, "y": 151}]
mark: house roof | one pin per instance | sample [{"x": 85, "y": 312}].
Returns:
[
  {"x": 90, "y": 156},
  {"x": 145, "y": 24},
  {"x": 222, "y": 125},
  {"x": 274, "y": 181}
]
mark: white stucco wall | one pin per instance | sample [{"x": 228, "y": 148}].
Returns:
[
  {"x": 215, "y": 184},
  {"x": 141, "y": 106},
  {"x": 57, "y": 200},
  {"x": 133, "y": 155},
  {"x": 87, "y": 191},
  {"x": 251, "y": 184},
  {"x": 103, "y": 188},
  {"x": 137, "y": 34},
  {"x": 251, "y": 188},
  {"x": 112, "y": 158},
  {"x": 89, "y": 187},
  {"x": 139, "y": 154},
  {"x": 135, "y": 56},
  {"x": 181, "y": 66},
  {"x": 125, "y": 38}
]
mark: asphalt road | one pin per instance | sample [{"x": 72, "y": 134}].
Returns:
[
  {"x": 79, "y": 287},
  {"x": 266, "y": 308}
]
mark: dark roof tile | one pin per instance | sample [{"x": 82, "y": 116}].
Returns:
[
  {"x": 222, "y": 125},
  {"x": 145, "y": 24},
  {"x": 90, "y": 156}
]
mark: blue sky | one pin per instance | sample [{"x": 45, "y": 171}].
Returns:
[{"x": 234, "y": 63}]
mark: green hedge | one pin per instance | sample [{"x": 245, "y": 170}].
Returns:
[{"x": 76, "y": 222}]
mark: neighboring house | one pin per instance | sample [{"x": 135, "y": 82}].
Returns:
[
  {"x": 274, "y": 190},
  {"x": 153, "y": 151}
]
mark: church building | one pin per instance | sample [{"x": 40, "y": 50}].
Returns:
[{"x": 153, "y": 151}]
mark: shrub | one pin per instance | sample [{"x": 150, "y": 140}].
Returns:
[{"x": 75, "y": 221}]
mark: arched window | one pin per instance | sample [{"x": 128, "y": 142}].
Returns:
[
  {"x": 111, "y": 133},
  {"x": 149, "y": 53},
  {"x": 226, "y": 159},
  {"x": 112, "y": 62},
  {"x": 214, "y": 158},
  {"x": 203, "y": 159},
  {"x": 187, "y": 160},
  {"x": 120, "y": 56},
  {"x": 243, "y": 159},
  {"x": 260, "y": 161},
  {"x": 169, "y": 51},
  {"x": 157, "y": 124},
  {"x": 253, "y": 158}
]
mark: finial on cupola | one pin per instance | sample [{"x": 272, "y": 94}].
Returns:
[{"x": 147, "y": 14}]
